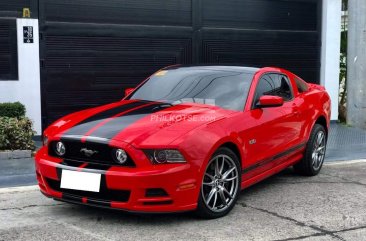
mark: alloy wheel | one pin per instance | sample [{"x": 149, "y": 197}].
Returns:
[
  {"x": 220, "y": 183},
  {"x": 318, "y": 150}
]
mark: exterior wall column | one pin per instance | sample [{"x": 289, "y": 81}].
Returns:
[
  {"x": 27, "y": 88},
  {"x": 356, "y": 63},
  {"x": 330, "y": 52}
]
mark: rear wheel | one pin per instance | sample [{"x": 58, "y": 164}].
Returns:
[
  {"x": 220, "y": 186},
  {"x": 314, "y": 153}
]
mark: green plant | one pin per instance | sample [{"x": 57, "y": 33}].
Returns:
[
  {"x": 342, "y": 108},
  {"x": 16, "y": 134},
  {"x": 15, "y": 109}
]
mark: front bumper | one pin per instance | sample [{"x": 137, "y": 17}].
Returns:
[{"x": 148, "y": 188}]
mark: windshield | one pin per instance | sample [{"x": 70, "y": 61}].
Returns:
[{"x": 225, "y": 88}]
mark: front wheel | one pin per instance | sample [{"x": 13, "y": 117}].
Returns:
[
  {"x": 220, "y": 186},
  {"x": 314, "y": 154}
]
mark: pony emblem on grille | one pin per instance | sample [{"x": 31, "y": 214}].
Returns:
[{"x": 87, "y": 152}]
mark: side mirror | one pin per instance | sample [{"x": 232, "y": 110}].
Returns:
[
  {"x": 269, "y": 101},
  {"x": 129, "y": 91}
]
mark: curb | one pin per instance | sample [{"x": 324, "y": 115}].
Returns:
[
  {"x": 17, "y": 154},
  {"x": 338, "y": 163},
  {"x": 19, "y": 189}
]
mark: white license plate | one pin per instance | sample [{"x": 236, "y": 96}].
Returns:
[{"x": 84, "y": 181}]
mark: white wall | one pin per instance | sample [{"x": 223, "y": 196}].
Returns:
[
  {"x": 330, "y": 53},
  {"x": 27, "y": 88}
]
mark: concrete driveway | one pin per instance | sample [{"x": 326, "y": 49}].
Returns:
[{"x": 330, "y": 206}]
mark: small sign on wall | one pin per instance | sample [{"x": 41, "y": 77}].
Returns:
[{"x": 27, "y": 34}]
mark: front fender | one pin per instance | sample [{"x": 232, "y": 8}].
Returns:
[{"x": 201, "y": 144}]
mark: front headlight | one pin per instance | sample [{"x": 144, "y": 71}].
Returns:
[{"x": 164, "y": 156}]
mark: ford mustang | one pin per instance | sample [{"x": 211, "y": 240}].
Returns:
[{"x": 187, "y": 138}]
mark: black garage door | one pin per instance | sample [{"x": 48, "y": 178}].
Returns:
[{"x": 91, "y": 50}]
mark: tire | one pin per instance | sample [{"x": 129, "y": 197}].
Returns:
[
  {"x": 314, "y": 154},
  {"x": 221, "y": 185}
]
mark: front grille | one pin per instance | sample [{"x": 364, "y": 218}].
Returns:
[
  {"x": 76, "y": 163},
  {"x": 105, "y": 195},
  {"x": 103, "y": 153}
]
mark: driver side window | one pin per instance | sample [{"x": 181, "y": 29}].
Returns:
[{"x": 273, "y": 84}]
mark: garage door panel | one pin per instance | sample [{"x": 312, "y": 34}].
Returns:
[
  {"x": 146, "y": 12},
  {"x": 88, "y": 65},
  {"x": 83, "y": 99},
  {"x": 111, "y": 62},
  {"x": 114, "y": 30},
  {"x": 297, "y": 51},
  {"x": 261, "y": 14}
]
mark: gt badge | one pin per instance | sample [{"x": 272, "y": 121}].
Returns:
[{"x": 252, "y": 141}]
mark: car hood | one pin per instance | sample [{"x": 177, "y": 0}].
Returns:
[{"x": 140, "y": 123}]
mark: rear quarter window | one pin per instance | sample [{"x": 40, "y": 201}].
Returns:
[{"x": 301, "y": 85}]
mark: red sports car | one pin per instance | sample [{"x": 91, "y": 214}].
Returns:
[{"x": 187, "y": 138}]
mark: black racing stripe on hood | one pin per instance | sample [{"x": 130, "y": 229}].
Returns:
[
  {"x": 84, "y": 126},
  {"x": 118, "y": 124}
]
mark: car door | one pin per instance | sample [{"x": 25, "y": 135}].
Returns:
[{"x": 275, "y": 130}]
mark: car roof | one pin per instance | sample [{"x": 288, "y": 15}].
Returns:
[{"x": 242, "y": 69}]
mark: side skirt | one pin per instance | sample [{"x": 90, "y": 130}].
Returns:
[
  {"x": 288, "y": 157},
  {"x": 270, "y": 172}
]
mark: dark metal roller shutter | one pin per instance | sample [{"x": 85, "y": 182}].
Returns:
[
  {"x": 92, "y": 49},
  {"x": 8, "y": 50},
  {"x": 264, "y": 33}
]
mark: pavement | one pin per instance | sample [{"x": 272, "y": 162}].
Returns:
[
  {"x": 330, "y": 206},
  {"x": 17, "y": 172},
  {"x": 345, "y": 143}
]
